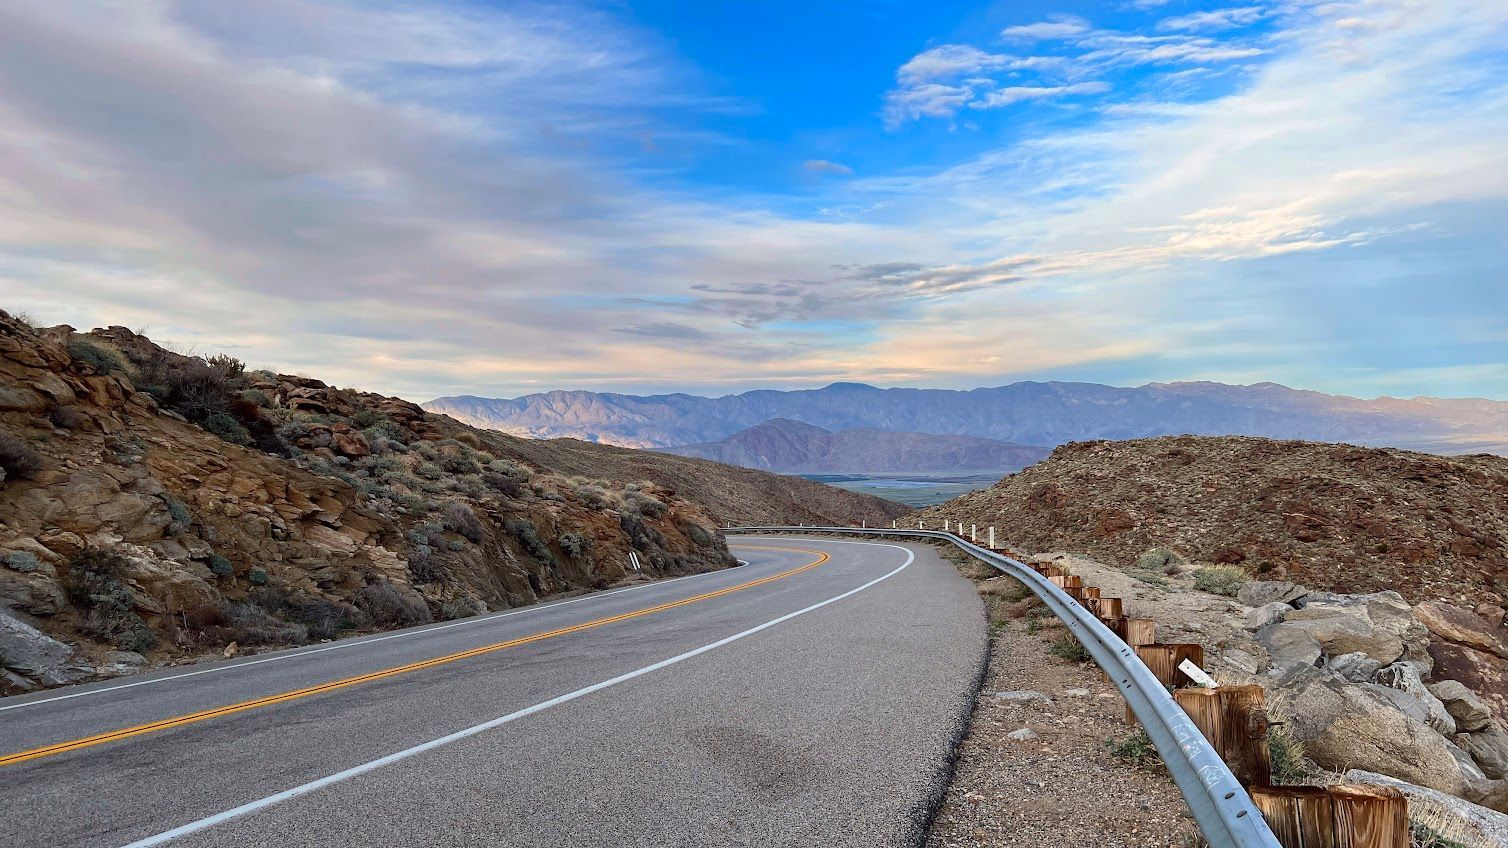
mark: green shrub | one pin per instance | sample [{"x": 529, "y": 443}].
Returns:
[
  {"x": 459, "y": 518},
  {"x": 1068, "y": 647},
  {"x": 1221, "y": 579},
  {"x": 1287, "y": 754},
  {"x": 510, "y": 469},
  {"x": 528, "y": 536},
  {"x": 257, "y": 576},
  {"x": 387, "y": 607},
  {"x": 645, "y": 505},
  {"x": 700, "y": 536},
  {"x": 179, "y": 515},
  {"x": 18, "y": 460},
  {"x": 574, "y": 544},
  {"x": 1137, "y": 748},
  {"x": 1151, "y": 578},
  {"x": 1422, "y": 835},
  {"x": 95, "y": 582},
  {"x": 250, "y": 624},
  {"x": 221, "y": 566},
  {"x": 225, "y": 426},
  {"x": 429, "y": 471},
  {"x": 1161, "y": 560},
  {"x": 104, "y": 359}
]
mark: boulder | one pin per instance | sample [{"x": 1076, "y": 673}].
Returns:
[
  {"x": 1470, "y": 771},
  {"x": 1356, "y": 667},
  {"x": 1463, "y": 627},
  {"x": 1403, "y": 677},
  {"x": 1346, "y": 629},
  {"x": 1453, "y": 818},
  {"x": 1256, "y": 593},
  {"x": 1344, "y": 726},
  {"x": 1470, "y": 712},
  {"x": 1288, "y": 645},
  {"x": 30, "y": 652},
  {"x": 1491, "y": 794},
  {"x": 1489, "y": 748},
  {"x": 1266, "y": 614},
  {"x": 1483, "y": 673}
]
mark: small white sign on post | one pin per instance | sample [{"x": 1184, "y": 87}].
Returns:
[
  {"x": 1197, "y": 674},
  {"x": 973, "y": 532},
  {"x": 992, "y": 538}
]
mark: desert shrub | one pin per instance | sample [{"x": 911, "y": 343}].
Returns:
[
  {"x": 96, "y": 583},
  {"x": 700, "y": 536},
  {"x": 320, "y": 618},
  {"x": 22, "y": 561},
  {"x": 1068, "y": 647},
  {"x": 1162, "y": 560},
  {"x": 293, "y": 431},
  {"x": 528, "y": 536},
  {"x": 423, "y": 568},
  {"x": 1220, "y": 579},
  {"x": 224, "y": 425},
  {"x": 459, "y": 464},
  {"x": 381, "y": 466},
  {"x": 595, "y": 496},
  {"x": 251, "y": 624},
  {"x": 1287, "y": 754},
  {"x": 574, "y": 544},
  {"x": 18, "y": 460},
  {"x": 1136, "y": 748},
  {"x": 257, "y": 576},
  {"x": 1151, "y": 578},
  {"x": 461, "y": 608},
  {"x": 257, "y": 397},
  {"x": 645, "y": 505},
  {"x": 459, "y": 518},
  {"x": 220, "y": 566},
  {"x": 509, "y": 468},
  {"x": 386, "y": 606},
  {"x": 429, "y": 471},
  {"x": 104, "y": 359},
  {"x": 69, "y": 417},
  {"x": 179, "y": 515},
  {"x": 1422, "y": 835},
  {"x": 502, "y": 484}
]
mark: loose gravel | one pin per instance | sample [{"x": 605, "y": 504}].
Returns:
[{"x": 1058, "y": 784}]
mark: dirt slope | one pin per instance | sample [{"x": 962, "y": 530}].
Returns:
[{"x": 1330, "y": 516}]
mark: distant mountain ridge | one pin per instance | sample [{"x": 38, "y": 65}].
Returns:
[
  {"x": 1029, "y": 413},
  {"x": 790, "y": 446}
]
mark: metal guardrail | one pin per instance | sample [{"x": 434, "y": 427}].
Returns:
[{"x": 1224, "y": 811}]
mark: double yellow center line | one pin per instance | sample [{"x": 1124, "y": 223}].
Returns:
[{"x": 243, "y": 706}]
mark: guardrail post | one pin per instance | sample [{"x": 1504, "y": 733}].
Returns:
[
  {"x": 1234, "y": 720},
  {"x": 1335, "y": 816}
]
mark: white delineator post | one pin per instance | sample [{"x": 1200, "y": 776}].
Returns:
[
  {"x": 973, "y": 532},
  {"x": 892, "y": 524},
  {"x": 992, "y": 538},
  {"x": 945, "y": 525}
]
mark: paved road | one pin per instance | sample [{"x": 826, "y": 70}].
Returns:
[{"x": 810, "y": 697}]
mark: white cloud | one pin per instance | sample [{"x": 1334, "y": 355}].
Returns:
[
  {"x": 1216, "y": 19},
  {"x": 996, "y": 98},
  {"x": 950, "y": 61},
  {"x": 1056, "y": 27},
  {"x": 825, "y": 167}
]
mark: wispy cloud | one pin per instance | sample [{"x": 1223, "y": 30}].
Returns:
[
  {"x": 1058, "y": 26},
  {"x": 822, "y": 166},
  {"x": 316, "y": 186},
  {"x": 1216, "y": 19}
]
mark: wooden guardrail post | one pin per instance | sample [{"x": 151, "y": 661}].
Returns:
[
  {"x": 1336, "y": 816},
  {"x": 1234, "y": 720},
  {"x": 1164, "y": 660},
  {"x": 1140, "y": 631},
  {"x": 1111, "y": 608}
]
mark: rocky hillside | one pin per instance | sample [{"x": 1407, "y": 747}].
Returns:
[
  {"x": 793, "y": 447},
  {"x": 155, "y": 506},
  {"x": 1028, "y": 413},
  {"x": 733, "y": 495},
  {"x": 1334, "y": 517}
]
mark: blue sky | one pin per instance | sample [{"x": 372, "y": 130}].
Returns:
[{"x": 497, "y": 198}]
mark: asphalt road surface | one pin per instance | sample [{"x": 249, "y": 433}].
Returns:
[{"x": 808, "y": 698}]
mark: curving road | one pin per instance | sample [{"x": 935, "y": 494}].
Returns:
[{"x": 810, "y": 697}]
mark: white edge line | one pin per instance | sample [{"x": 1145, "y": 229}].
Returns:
[
  {"x": 314, "y": 785},
  {"x": 357, "y": 640}
]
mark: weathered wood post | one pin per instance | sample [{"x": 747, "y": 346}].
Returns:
[
  {"x": 1140, "y": 631},
  {"x": 1347, "y": 816},
  {"x": 1111, "y": 608},
  {"x": 1234, "y": 720}
]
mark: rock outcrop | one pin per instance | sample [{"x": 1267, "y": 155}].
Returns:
[{"x": 171, "y": 505}]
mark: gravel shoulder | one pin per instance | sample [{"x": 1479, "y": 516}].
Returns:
[{"x": 1063, "y": 780}]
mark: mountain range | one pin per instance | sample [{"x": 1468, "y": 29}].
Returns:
[
  {"x": 1026, "y": 413},
  {"x": 790, "y": 446}
]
